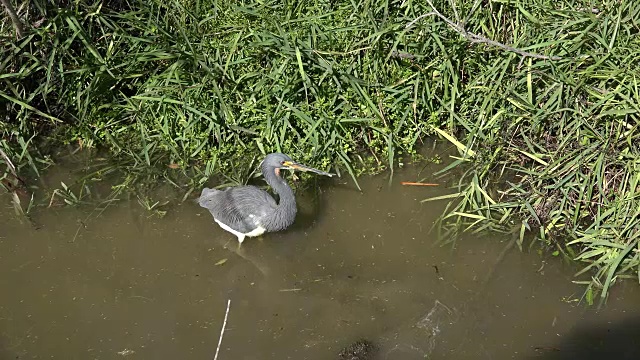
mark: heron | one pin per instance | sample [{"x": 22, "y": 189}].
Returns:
[{"x": 248, "y": 211}]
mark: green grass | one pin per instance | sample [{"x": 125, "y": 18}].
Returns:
[
  {"x": 554, "y": 145},
  {"x": 178, "y": 91},
  {"x": 199, "y": 84}
]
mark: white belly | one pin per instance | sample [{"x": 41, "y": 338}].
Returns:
[{"x": 256, "y": 232}]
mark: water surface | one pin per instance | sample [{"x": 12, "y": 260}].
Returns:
[{"x": 122, "y": 283}]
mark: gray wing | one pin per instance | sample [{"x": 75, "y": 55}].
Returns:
[{"x": 242, "y": 208}]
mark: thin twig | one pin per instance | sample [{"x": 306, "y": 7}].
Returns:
[
  {"x": 412, "y": 22},
  {"x": 14, "y": 17},
  {"x": 475, "y": 38},
  {"x": 224, "y": 324},
  {"x": 409, "y": 183}
]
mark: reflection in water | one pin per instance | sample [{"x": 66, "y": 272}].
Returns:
[{"x": 353, "y": 266}]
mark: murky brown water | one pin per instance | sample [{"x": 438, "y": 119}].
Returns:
[{"x": 123, "y": 285}]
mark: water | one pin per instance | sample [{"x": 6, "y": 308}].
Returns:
[{"x": 122, "y": 284}]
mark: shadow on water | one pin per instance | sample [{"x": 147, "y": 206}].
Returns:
[
  {"x": 356, "y": 265},
  {"x": 611, "y": 340},
  {"x": 4, "y": 350}
]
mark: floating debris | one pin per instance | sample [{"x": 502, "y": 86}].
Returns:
[
  {"x": 359, "y": 350},
  {"x": 126, "y": 352},
  {"x": 409, "y": 183}
]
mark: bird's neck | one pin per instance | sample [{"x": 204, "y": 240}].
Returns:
[
  {"x": 286, "y": 195},
  {"x": 285, "y": 213}
]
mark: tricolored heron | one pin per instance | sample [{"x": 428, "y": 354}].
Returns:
[{"x": 250, "y": 211}]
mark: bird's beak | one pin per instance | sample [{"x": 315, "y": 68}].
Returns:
[{"x": 295, "y": 166}]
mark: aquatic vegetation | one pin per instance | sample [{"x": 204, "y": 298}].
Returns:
[{"x": 539, "y": 97}]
